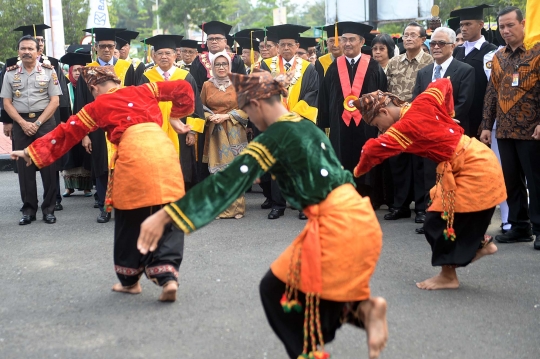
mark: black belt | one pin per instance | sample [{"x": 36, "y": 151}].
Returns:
[{"x": 31, "y": 114}]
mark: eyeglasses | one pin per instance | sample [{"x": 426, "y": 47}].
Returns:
[
  {"x": 301, "y": 53},
  {"x": 441, "y": 44},
  {"x": 106, "y": 46},
  {"x": 215, "y": 39},
  {"x": 190, "y": 52},
  {"x": 287, "y": 44},
  {"x": 40, "y": 39},
  {"x": 165, "y": 54},
  {"x": 221, "y": 64},
  {"x": 350, "y": 40},
  {"x": 265, "y": 47},
  {"x": 410, "y": 36}
]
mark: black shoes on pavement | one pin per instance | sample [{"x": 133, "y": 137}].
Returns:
[
  {"x": 26, "y": 219},
  {"x": 276, "y": 213},
  {"x": 58, "y": 206},
  {"x": 49, "y": 218},
  {"x": 515, "y": 235},
  {"x": 420, "y": 217},
  {"x": 267, "y": 204},
  {"x": 537, "y": 242},
  {"x": 103, "y": 217},
  {"x": 397, "y": 214},
  {"x": 302, "y": 215}
]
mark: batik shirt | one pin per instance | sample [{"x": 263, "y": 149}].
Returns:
[{"x": 401, "y": 73}]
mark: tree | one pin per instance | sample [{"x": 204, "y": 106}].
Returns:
[
  {"x": 15, "y": 14},
  {"x": 75, "y": 13}
]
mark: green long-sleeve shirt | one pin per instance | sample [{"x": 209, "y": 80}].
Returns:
[{"x": 293, "y": 150}]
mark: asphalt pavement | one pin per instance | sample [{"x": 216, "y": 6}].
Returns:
[{"x": 56, "y": 299}]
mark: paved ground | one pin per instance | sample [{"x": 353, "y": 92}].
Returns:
[{"x": 55, "y": 298}]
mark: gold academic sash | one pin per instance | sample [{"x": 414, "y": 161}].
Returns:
[{"x": 326, "y": 61}]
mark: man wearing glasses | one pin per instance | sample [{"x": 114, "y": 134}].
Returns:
[
  {"x": 186, "y": 53},
  {"x": 407, "y": 172},
  {"x": 334, "y": 50},
  {"x": 268, "y": 46},
  {"x": 461, "y": 75},
  {"x": 303, "y": 90},
  {"x": 96, "y": 143},
  {"x": 166, "y": 70}
]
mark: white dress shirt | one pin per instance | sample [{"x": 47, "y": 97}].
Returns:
[
  {"x": 170, "y": 71},
  {"x": 444, "y": 66},
  {"x": 355, "y": 58},
  {"x": 469, "y": 46}
]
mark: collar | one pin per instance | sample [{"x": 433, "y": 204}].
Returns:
[
  {"x": 103, "y": 63},
  {"x": 291, "y": 62},
  {"x": 355, "y": 58},
  {"x": 418, "y": 57},
  {"x": 444, "y": 65},
  {"x": 170, "y": 71},
  {"x": 507, "y": 48},
  {"x": 469, "y": 46}
]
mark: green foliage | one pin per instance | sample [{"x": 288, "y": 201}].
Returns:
[
  {"x": 75, "y": 14},
  {"x": 446, "y": 6}
]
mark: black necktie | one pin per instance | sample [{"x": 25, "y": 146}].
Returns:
[
  {"x": 352, "y": 62},
  {"x": 287, "y": 66}
]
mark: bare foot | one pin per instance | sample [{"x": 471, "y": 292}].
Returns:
[
  {"x": 169, "y": 292},
  {"x": 447, "y": 279},
  {"x": 134, "y": 289},
  {"x": 490, "y": 249},
  {"x": 372, "y": 312}
]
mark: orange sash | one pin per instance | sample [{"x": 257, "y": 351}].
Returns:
[{"x": 350, "y": 95}]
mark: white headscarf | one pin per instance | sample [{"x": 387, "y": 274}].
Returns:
[{"x": 221, "y": 84}]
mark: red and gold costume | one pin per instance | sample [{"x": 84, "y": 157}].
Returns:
[
  {"x": 469, "y": 177},
  {"x": 147, "y": 173}
]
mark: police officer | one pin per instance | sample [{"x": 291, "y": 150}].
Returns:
[{"x": 30, "y": 93}]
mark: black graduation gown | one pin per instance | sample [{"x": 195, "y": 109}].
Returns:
[
  {"x": 348, "y": 141},
  {"x": 187, "y": 153},
  {"x": 83, "y": 96},
  {"x": 476, "y": 59}
]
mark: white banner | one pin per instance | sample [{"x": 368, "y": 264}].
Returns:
[
  {"x": 54, "y": 37},
  {"x": 343, "y": 10},
  {"x": 99, "y": 14}
]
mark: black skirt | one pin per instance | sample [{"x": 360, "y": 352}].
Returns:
[{"x": 470, "y": 229}]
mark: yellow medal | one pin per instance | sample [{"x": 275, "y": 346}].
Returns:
[{"x": 348, "y": 103}]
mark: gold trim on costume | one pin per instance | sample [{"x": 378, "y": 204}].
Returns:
[
  {"x": 183, "y": 216},
  {"x": 403, "y": 140},
  {"x": 436, "y": 93},
  {"x": 86, "y": 119},
  {"x": 176, "y": 219},
  {"x": 154, "y": 88},
  {"x": 257, "y": 157},
  {"x": 260, "y": 148},
  {"x": 34, "y": 156}
]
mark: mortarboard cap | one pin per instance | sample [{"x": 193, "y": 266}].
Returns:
[
  {"x": 245, "y": 43},
  {"x": 270, "y": 36},
  {"x": 190, "y": 44},
  {"x": 164, "y": 41},
  {"x": 453, "y": 23},
  {"x": 288, "y": 31},
  {"x": 73, "y": 58},
  {"x": 80, "y": 49},
  {"x": 470, "y": 13},
  {"x": 306, "y": 42},
  {"x": 124, "y": 37},
  {"x": 352, "y": 27},
  {"x": 246, "y": 33},
  {"x": 104, "y": 33},
  {"x": 215, "y": 28},
  {"x": 230, "y": 40},
  {"x": 33, "y": 30},
  {"x": 200, "y": 48}
]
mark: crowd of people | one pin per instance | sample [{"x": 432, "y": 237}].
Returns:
[{"x": 190, "y": 132}]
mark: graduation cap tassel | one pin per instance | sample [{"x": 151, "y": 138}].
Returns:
[
  {"x": 145, "y": 52},
  {"x": 35, "y": 33},
  {"x": 93, "y": 51},
  {"x": 203, "y": 45},
  {"x": 265, "y": 37},
  {"x": 252, "y": 52},
  {"x": 336, "y": 34}
]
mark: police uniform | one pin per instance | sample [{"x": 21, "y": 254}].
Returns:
[{"x": 31, "y": 94}]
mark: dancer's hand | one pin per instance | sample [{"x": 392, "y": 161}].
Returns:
[
  {"x": 87, "y": 144},
  {"x": 151, "y": 231},
  {"x": 15, "y": 155},
  {"x": 190, "y": 139},
  {"x": 179, "y": 126},
  {"x": 485, "y": 137}
]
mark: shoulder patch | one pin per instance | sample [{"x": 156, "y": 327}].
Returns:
[
  {"x": 47, "y": 66},
  {"x": 11, "y": 68}
]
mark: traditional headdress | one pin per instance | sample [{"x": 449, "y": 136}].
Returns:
[
  {"x": 259, "y": 85},
  {"x": 370, "y": 104},
  {"x": 95, "y": 75}
]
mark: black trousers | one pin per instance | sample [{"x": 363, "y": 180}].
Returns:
[
  {"x": 101, "y": 189},
  {"x": 289, "y": 327},
  {"x": 408, "y": 180},
  {"x": 27, "y": 174},
  {"x": 520, "y": 161},
  {"x": 160, "y": 266},
  {"x": 430, "y": 176},
  {"x": 278, "y": 202}
]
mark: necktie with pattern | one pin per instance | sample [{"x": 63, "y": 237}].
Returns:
[
  {"x": 166, "y": 75},
  {"x": 352, "y": 62},
  {"x": 437, "y": 74},
  {"x": 287, "y": 66}
]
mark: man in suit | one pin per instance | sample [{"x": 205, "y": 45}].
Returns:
[
  {"x": 443, "y": 42},
  {"x": 472, "y": 52}
]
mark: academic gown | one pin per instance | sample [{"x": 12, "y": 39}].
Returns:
[
  {"x": 83, "y": 96},
  {"x": 187, "y": 153},
  {"x": 476, "y": 59},
  {"x": 348, "y": 140}
]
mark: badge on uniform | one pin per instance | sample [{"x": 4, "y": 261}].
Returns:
[
  {"x": 515, "y": 79},
  {"x": 18, "y": 93},
  {"x": 489, "y": 64},
  {"x": 17, "y": 77},
  {"x": 55, "y": 78},
  {"x": 42, "y": 78}
]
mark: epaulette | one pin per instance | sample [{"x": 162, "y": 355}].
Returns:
[
  {"x": 47, "y": 66},
  {"x": 11, "y": 68}
]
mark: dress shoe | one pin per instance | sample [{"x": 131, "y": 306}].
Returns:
[
  {"x": 49, "y": 218},
  {"x": 103, "y": 217},
  {"x": 503, "y": 231},
  {"x": 419, "y": 230},
  {"x": 96, "y": 204},
  {"x": 420, "y": 217},
  {"x": 515, "y": 236},
  {"x": 267, "y": 204},
  {"x": 58, "y": 207},
  {"x": 302, "y": 215},
  {"x": 537, "y": 242},
  {"x": 397, "y": 214},
  {"x": 276, "y": 213},
  {"x": 26, "y": 219}
]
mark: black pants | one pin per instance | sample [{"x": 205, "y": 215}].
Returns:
[
  {"x": 289, "y": 327},
  {"x": 278, "y": 202},
  {"x": 27, "y": 174},
  {"x": 520, "y": 161},
  {"x": 160, "y": 266},
  {"x": 408, "y": 180},
  {"x": 101, "y": 189}
]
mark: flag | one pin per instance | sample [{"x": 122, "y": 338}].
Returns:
[{"x": 532, "y": 24}]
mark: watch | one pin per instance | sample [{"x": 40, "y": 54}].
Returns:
[{"x": 38, "y": 123}]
